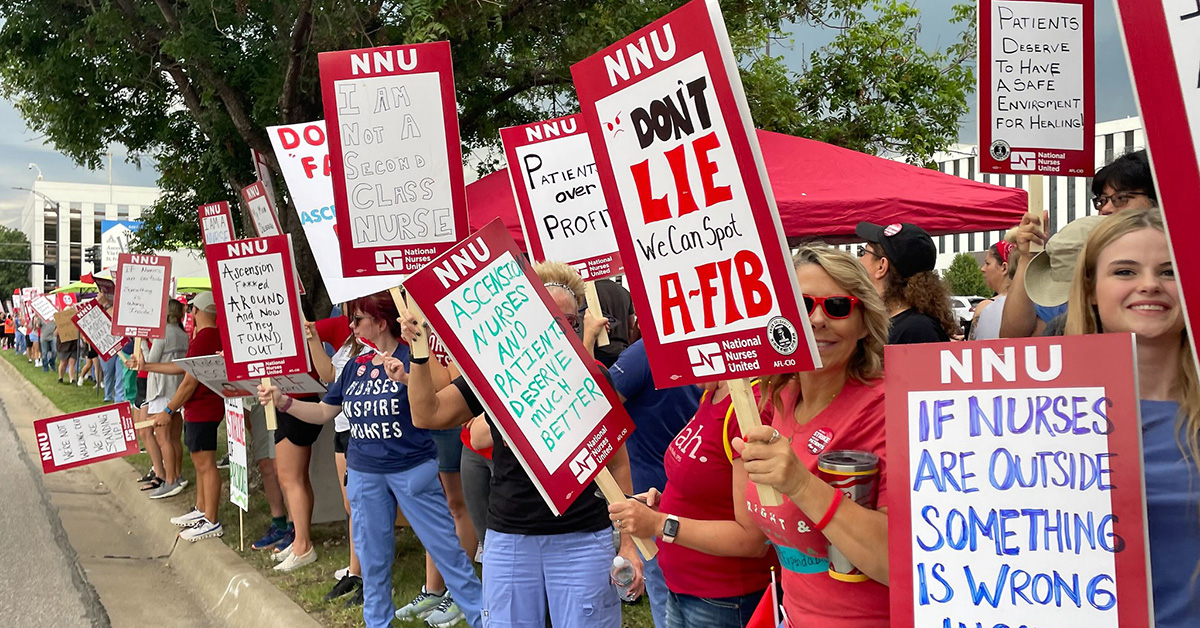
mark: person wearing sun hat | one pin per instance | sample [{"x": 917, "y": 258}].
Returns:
[
  {"x": 899, "y": 258},
  {"x": 1050, "y": 273}
]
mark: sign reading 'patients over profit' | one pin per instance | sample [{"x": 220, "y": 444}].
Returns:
[
  {"x": 73, "y": 440},
  {"x": 546, "y": 395},
  {"x": 562, "y": 208},
  {"x": 1036, "y": 86},
  {"x": 1015, "y": 470},
  {"x": 140, "y": 305},
  {"x": 690, "y": 203},
  {"x": 216, "y": 223},
  {"x": 258, "y": 307},
  {"x": 394, "y": 154}
]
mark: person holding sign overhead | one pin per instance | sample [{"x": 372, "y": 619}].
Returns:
[
  {"x": 1125, "y": 282},
  {"x": 390, "y": 463}
]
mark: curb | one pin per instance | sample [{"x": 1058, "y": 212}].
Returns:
[{"x": 232, "y": 592}]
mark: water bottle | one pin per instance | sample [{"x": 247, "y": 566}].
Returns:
[{"x": 622, "y": 576}]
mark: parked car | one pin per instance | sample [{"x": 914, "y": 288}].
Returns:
[{"x": 964, "y": 309}]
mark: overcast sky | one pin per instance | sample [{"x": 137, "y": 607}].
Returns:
[{"x": 19, "y": 146}]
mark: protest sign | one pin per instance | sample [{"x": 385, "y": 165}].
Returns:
[
  {"x": 79, "y": 438},
  {"x": 1015, "y": 475},
  {"x": 44, "y": 307},
  {"x": 235, "y": 438},
  {"x": 691, "y": 205},
  {"x": 1036, "y": 87},
  {"x": 96, "y": 328},
  {"x": 543, "y": 392},
  {"x": 560, "y": 201},
  {"x": 216, "y": 223},
  {"x": 262, "y": 170},
  {"x": 394, "y": 155},
  {"x": 303, "y": 158},
  {"x": 258, "y": 307},
  {"x": 1162, "y": 41},
  {"x": 64, "y": 325},
  {"x": 140, "y": 306},
  {"x": 262, "y": 210},
  {"x": 209, "y": 370}
]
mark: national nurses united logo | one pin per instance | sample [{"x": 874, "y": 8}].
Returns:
[
  {"x": 782, "y": 335},
  {"x": 1000, "y": 150},
  {"x": 819, "y": 441}
]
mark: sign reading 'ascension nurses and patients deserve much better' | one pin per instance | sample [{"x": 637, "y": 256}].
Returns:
[
  {"x": 1019, "y": 467},
  {"x": 562, "y": 207},
  {"x": 545, "y": 394},
  {"x": 1036, "y": 87},
  {"x": 395, "y": 155},
  {"x": 73, "y": 440},
  {"x": 690, "y": 203},
  {"x": 140, "y": 301},
  {"x": 258, "y": 307}
]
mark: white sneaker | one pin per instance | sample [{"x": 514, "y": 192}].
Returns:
[
  {"x": 282, "y": 554},
  {"x": 295, "y": 562},
  {"x": 191, "y": 519},
  {"x": 341, "y": 573},
  {"x": 204, "y": 530}
]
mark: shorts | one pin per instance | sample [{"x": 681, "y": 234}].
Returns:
[
  {"x": 91, "y": 352},
  {"x": 449, "y": 448},
  {"x": 341, "y": 440},
  {"x": 158, "y": 404},
  {"x": 201, "y": 436},
  {"x": 68, "y": 348},
  {"x": 262, "y": 440},
  {"x": 294, "y": 430},
  {"x": 139, "y": 397}
]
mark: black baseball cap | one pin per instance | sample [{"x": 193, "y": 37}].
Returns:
[{"x": 908, "y": 247}]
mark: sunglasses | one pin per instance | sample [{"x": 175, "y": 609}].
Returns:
[
  {"x": 356, "y": 319},
  {"x": 1118, "y": 200},
  {"x": 836, "y": 307},
  {"x": 866, "y": 250}
]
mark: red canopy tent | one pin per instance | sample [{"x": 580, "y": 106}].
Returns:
[{"x": 823, "y": 191}]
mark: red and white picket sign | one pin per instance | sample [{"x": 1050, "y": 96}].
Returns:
[
  {"x": 1014, "y": 483},
  {"x": 96, "y": 328},
  {"x": 262, "y": 210},
  {"x": 140, "y": 302},
  {"x": 561, "y": 204},
  {"x": 216, "y": 223},
  {"x": 80, "y": 438},
  {"x": 43, "y": 306},
  {"x": 691, "y": 204},
  {"x": 543, "y": 391},
  {"x": 395, "y": 157},
  {"x": 258, "y": 307},
  {"x": 1162, "y": 41},
  {"x": 1037, "y": 83}
]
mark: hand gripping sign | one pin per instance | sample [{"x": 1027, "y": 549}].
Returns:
[
  {"x": 542, "y": 390},
  {"x": 140, "y": 302},
  {"x": 1036, "y": 87},
  {"x": 80, "y": 438},
  {"x": 216, "y": 223},
  {"x": 394, "y": 154},
  {"x": 1014, "y": 470}
]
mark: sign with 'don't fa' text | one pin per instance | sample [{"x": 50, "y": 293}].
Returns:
[
  {"x": 258, "y": 307},
  {"x": 1019, "y": 469},
  {"x": 394, "y": 154},
  {"x": 73, "y": 440},
  {"x": 690, "y": 203},
  {"x": 527, "y": 366},
  {"x": 140, "y": 303}
]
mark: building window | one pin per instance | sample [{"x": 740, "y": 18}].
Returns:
[
  {"x": 76, "y": 262},
  {"x": 122, "y": 212},
  {"x": 98, "y": 211},
  {"x": 1053, "y": 205},
  {"x": 1108, "y": 148},
  {"x": 1072, "y": 183}
]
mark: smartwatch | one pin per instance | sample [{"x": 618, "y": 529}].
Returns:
[{"x": 670, "y": 528}]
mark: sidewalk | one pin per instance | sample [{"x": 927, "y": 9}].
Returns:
[{"x": 215, "y": 586}]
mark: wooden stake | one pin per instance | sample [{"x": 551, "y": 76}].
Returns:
[
  {"x": 613, "y": 493},
  {"x": 241, "y": 531},
  {"x": 1036, "y": 207},
  {"x": 270, "y": 407},
  {"x": 143, "y": 425},
  {"x": 748, "y": 418},
  {"x": 420, "y": 347},
  {"x": 593, "y": 306},
  {"x": 137, "y": 350}
]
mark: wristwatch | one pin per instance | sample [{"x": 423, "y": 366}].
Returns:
[{"x": 670, "y": 528}]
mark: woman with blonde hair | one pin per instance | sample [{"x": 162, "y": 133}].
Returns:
[{"x": 1125, "y": 283}]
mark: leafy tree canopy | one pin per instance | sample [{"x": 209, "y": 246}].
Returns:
[{"x": 13, "y": 246}]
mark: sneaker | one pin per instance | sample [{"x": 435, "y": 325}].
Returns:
[
  {"x": 223, "y": 463},
  {"x": 37, "y": 362},
  {"x": 280, "y": 555},
  {"x": 203, "y": 530},
  {"x": 152, "y": 485},
  {"x": 421, "y": 606},
  {"x": 294, "y": 561},
  {"x": 285, "y": 544},
  {"x": 445, "y": 615},
  {"x": 188, "y": 520},
  {"x": 341, "y": 573},
  {"x": 345, "y": 586},
  {"x": 268, "y": 540},
  {"x": 357, "y": 598},
  {"x": 183, "y": 483},
  {"x": 167, "y": 490}
]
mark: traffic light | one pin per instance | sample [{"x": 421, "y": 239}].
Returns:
[{"x": 92, "y": 255}]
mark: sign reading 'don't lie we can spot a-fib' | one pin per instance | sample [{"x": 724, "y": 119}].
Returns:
[{"x": 691, "y": 204}]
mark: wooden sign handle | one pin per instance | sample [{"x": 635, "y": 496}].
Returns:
[
  {"x": 613, "y": 493},
  {"x": 1036, "y": 186},
  {"x": 143, "y": 425},
  {"x": 137, "y": 350},
  {"x": 748, "y": 418},
  {"x": 270, "y": 407},
  {"x": 419, "y": 347},
  {"x": 593, "y": 306}
]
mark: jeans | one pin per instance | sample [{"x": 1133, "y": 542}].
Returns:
[
  {"x": 48, "y": 355},
  {"x": 656, "y": 592},
  {"x": 113, "y": 390},
  {"x": 689, "y": 611},
  {"x": 418, "y": 492}
]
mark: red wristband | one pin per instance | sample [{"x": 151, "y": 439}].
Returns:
[
  {"x": 833, "y": 508},
  {"x": 287, "y": 403}
]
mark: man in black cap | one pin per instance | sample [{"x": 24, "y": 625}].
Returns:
[{"x": 899, "y": 260}]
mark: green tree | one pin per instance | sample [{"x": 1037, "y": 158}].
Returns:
[
  {"x": 965, "y": 278},
  {"x": 195, "y": 84},
  {"x": 14, "y": 247}
]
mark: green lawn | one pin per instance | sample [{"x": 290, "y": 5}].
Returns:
[{"x": 306, "y": 586}]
